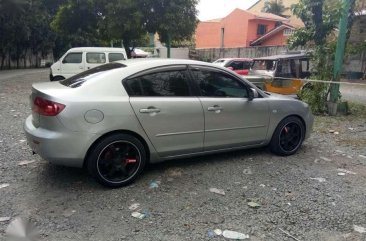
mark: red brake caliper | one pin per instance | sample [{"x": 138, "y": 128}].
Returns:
[
  {"x": 129, "y": 161},
  {"x": 286, "y": 129}
]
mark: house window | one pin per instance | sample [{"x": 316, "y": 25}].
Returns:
[
  {"x": 288, "y": 32},
  {"x": 262, "y": 29}
]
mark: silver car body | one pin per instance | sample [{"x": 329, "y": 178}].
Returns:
[{"x": 182, "y": 126}]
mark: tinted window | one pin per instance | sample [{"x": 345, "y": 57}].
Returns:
[
  {"x": 236, "y": 65},
  {"x": 218, "y": 84},
  {"x": 73, "y": 58},
  {"x": 115, "y": 57},
  {"x": 95, "y": 58},
  {"x": 268, "y": 65},
  {"x": 167, "y": 83},
  {"x": 79, "y": 79}
]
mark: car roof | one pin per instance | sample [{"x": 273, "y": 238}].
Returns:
[
  {"x": 156, "y": 62},
  {"x": 97, "y": 49},
  {"x": 242, "y": 59},
  {"x": 284, "y": 56}
]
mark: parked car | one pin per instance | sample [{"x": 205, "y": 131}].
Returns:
[
  {"x": 77, "y": 60},
  {"x": 280, "y": 74},
  {"x": 238, "y": 65},
  {"x": 115, "y": 118}
]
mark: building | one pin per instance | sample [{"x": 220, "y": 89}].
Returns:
[
  {"x": 243, "y": 28},
  {"x": 294, "y": 21}
]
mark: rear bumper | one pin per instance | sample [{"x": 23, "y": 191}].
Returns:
[{"x": 61, "y": 147}]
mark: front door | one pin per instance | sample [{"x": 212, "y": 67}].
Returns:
[
  {"x": 72, "y": 64},
  {"x": 231, "y": 119},
  {"x": 171, "y": 117}
]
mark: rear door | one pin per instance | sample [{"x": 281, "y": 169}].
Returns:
[
  {"x": 231, "y": 119},
  {"x": 94, "y": 59},
  {"x": 72, "y": 64},
  {"x": 170, "y": 115},
  {"x": 115, "y": 57}
]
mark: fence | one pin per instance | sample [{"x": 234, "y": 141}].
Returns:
[
  {"x": 29, "y": 60},
  {"x": 354, "y": 66},
  {"x": 249, "y": 52}
]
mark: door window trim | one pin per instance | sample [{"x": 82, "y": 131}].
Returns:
[
  {"x": 180, "y": 67},
  {"x": 209, "y": 68},
  {"x": 73, "y": 53}
]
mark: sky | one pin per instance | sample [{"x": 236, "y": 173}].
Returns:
[{"x": 211, "y": 9}]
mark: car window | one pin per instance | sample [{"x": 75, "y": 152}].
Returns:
[
  {"x": 167, "y": 83},
  {"x": 115, "y": 57},
  {"x": 219, "y": 84},
  {"x": 73, "y": 58},
  {"x": 95, "y": 58},
  {"x": 268, "y": 65},
  {"x": 236, "y": 65},
  {"x": 79, "y": 79},
  {"x": 247, "y": 64}
]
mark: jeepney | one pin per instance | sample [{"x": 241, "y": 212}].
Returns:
[{"x": 282, "y": 74}]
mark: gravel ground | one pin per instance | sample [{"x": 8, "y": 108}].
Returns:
[{"x": 66, "y": 204}]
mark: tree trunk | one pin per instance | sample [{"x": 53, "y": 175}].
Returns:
[{"x": 2, "y": 60}]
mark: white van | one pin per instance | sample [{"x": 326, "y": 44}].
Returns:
[{"x": 76, "y": 60}]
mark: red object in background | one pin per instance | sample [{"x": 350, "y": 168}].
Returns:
[{"x": 238, "y": 65}]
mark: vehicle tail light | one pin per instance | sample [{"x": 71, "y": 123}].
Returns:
[{"x": 46, "y": 107}]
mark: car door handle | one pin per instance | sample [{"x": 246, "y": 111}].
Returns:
[
  {"x": 150, "y": 110},
  {"x": 81, "y": 67},
  {"x": 214, "y": 108}
]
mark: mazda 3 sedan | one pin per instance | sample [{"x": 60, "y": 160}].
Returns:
[{"x": 115, "y": 118}]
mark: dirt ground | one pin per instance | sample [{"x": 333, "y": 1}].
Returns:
[{"x": 303, "y": 196}]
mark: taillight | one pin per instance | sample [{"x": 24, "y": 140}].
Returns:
[{"x": 47, "y": 107}]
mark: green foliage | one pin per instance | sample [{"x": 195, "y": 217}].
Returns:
[
  {"x": 321, "y": 18},
  {"x": 275, "y": 7},
  {"x": 41, "y": 25},
  {"x": 175, "y": 19},
  {"x": 23, "y": 27}
]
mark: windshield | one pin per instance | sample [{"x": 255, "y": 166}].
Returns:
[
  {"x": 268, "y": 65},
  {"x": 79, "y": 79}
]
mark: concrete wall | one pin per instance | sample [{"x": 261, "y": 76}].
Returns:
[
  {"x": 354, "y": 63},
  {"x": 175, "y": 53},
  {"x": 29, "y": 61},
  {"x": 250, "y": 52}
]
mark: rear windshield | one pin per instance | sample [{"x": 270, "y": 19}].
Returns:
[{"x": 79, "y": 79}]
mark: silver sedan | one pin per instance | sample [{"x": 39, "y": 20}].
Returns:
[{"x": 115, "y": 118}]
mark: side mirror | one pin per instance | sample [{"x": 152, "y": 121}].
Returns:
[
  {"x": 252, "y": 94},
  {"x": 231, "y": 68}
]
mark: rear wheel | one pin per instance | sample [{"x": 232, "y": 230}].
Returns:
[
  {"x": 117, "y": 160},
  {"x": 288, "y": 136}
]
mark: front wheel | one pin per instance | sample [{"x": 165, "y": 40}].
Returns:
[
  {"x": 117, "y": 160},
  {"x": 288, "y": 136}
]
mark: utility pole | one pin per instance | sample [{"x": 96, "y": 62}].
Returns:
[
  {"x": 341, "y": 45},
  {"x": 168, "y": 45}
]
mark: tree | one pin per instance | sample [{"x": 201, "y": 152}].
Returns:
[
  {"x": 275, "y": 7},
  {"x": 321, "y": 19},
  {"x": 24, "y": 27},
  {"x": 123, "y": 20},
  {"x": 173, "y": 20}
]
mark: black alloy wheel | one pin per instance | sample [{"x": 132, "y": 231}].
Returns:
[
  {"x": 117, "y": 160},
  {"x": 288, "y": 136}
]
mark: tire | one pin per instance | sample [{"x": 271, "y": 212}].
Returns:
[
  {"x": 57, "y": 78},
  {"x": 117, "y": 160},
  {"x": 288, "y": 136}
]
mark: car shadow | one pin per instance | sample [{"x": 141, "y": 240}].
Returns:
[{"x": 64, "y": 178}]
